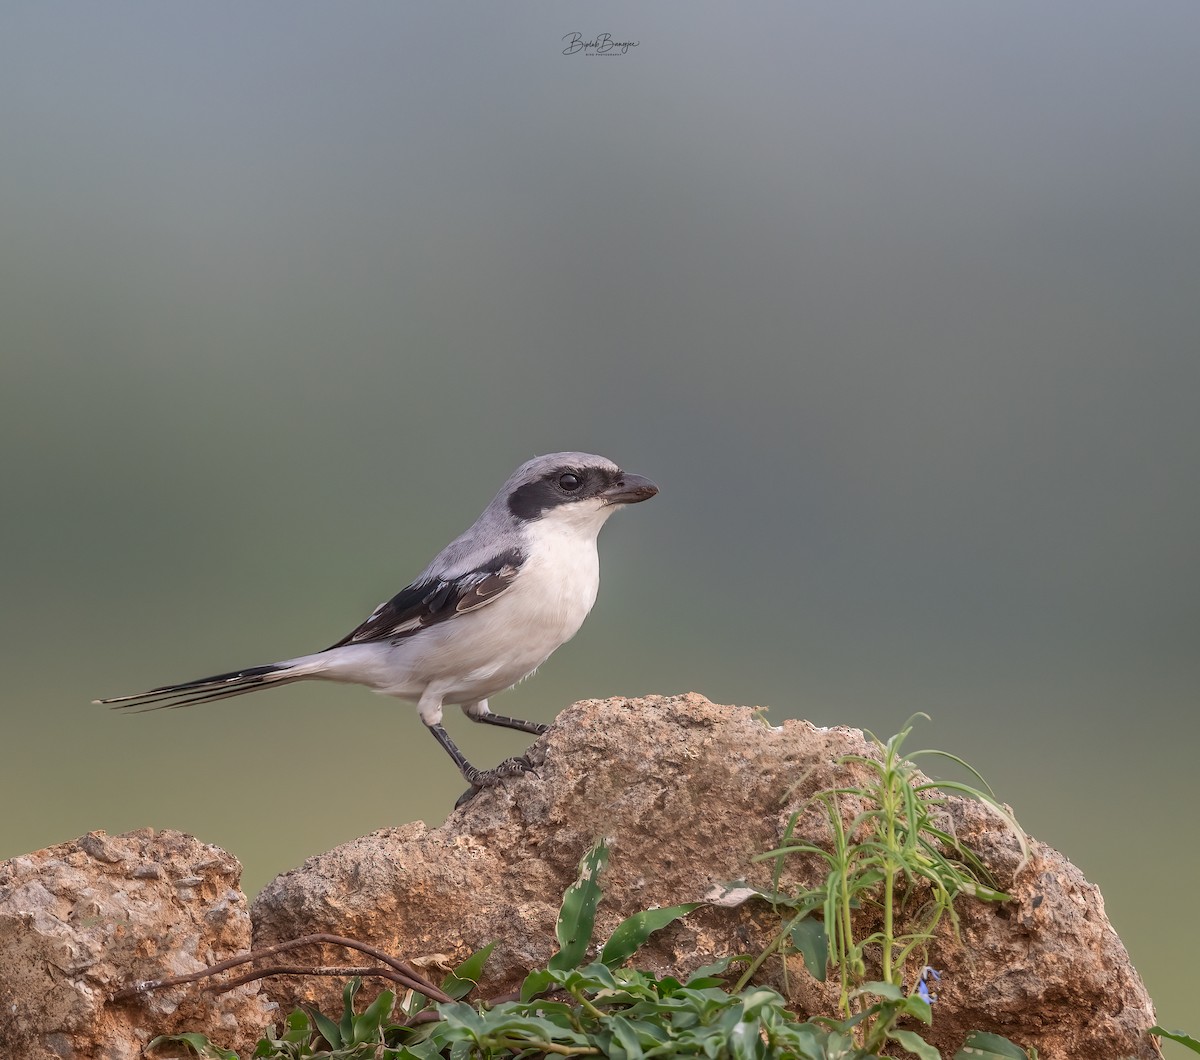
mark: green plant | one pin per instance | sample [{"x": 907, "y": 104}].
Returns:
[
  {"x": 198, "y": 1043},
  {"x": 891, "y": 860},
  {"x": 608, "y": 1010},
  {"x": 567, "y": 1009}
]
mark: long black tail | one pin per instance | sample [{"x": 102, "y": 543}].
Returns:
[{"x": 210, "y": 689}]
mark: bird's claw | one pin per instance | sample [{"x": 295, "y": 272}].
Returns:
[
  {"x": 510, "y": 767},
  {"x": 485, "y": 778},
  {"x": 467, "y": 796}
]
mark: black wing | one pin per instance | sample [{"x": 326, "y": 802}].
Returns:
[{"x": 425, "y": 603}]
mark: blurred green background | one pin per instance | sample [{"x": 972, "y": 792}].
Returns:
[{"x": 898, "y": 304}]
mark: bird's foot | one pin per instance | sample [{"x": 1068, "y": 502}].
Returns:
[
  {"x": 510, "y": 767},
  {"x": 485, "y": 778}
]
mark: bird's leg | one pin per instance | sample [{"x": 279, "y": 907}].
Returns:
[
  {"x": 478, "y": 711},
  {"x": 479, "y": 778},
  {"x": 430, "y": 709}
]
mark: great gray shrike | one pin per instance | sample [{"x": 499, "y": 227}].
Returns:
[{"x": 489, "y": 610}]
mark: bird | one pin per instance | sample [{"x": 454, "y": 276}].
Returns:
[{"x": 486, "y": 612}]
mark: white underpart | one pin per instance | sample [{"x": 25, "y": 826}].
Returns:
[{"x": 477, "y": 654}]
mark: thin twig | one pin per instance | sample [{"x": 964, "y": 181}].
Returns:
[
  {"x": 406, "y": 974},
  {"x": 374, "y": 971}
]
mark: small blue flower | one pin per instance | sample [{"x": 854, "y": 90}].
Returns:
[{"x": 926, "y": 994}]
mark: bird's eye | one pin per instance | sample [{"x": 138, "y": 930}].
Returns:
[{"x": 569, "y": 482}]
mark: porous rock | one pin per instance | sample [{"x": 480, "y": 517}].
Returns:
[
  {"x": 687, "y": 793},
  {"x": 82, "y": 920}
]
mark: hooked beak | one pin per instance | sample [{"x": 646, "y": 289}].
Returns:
[{"x": 630, "y": 489}]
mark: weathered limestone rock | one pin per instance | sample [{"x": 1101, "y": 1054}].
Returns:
[
  {"x": 80, "y": 920},
  {"x": 687, "y": 792}
]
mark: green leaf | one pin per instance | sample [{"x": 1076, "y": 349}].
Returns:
[
  {"x": 536, "y": 983},
  {"x": 915, "y": 1044},
  {"x": 625, "y": 1038},
  {"x": 347, "y": 1023},
  {"x": 412, "y": 1003},
  {"x": 743, "y": 1041},
  {"x": 369, "y": 1026},
  {"x": 299, "y": 1028},
  {"x": 983, "y": 1046},
  {"x": 889, "y": 990},
  {"x": 634, "y": 930},
  {"x": 328, "y": 1029},
  {"x": 985, "y": 894},
  {"x": 459, "y": 1016},
  {"x": 917, "y": 1007},
  {"x": 462, "y": 1013},
  {"x": 812, "y": 943},
  {"x": 199, "y": 1044},
  {"x": 577, "y": 917},
  {"x": 711, "y": 974},
  {"x": 424, "y": 1051},
  {"x": 534, "y": 1027},
  {"x": 595, "y": 976},
  {"x": 1177, "y": 1036},
  {"x": 460, "y": 982}
]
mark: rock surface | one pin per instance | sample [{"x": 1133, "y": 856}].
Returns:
[
  {"x": 80, "y": 920},
  {"x": 687, "y": 792}
]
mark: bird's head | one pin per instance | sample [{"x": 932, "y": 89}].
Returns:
[{"x": 578, "y": 489}]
